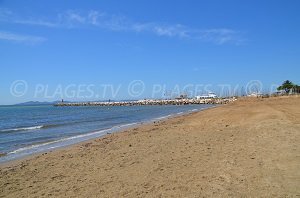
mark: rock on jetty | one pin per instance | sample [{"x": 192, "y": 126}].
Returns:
[{"x": 152, "y": 102}]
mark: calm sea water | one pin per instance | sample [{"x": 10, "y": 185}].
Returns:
[{"x": 25, "y": 130}]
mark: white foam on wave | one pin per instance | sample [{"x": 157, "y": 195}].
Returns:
[
  {"x": 124, "y": 125},
  {"x": 73, "y": 138},
  {"x": 162, "y": 118},
  {"x": 23, "y": 128},
  {"x": 56, "y": 141}
]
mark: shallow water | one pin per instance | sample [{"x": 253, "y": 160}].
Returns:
[{"x": 26, "y": 130}]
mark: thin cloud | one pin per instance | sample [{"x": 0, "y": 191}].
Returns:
[
  {"x": 221, "y": 36},
  {"x": 217, "y": 36},
  {"x": 97, "y": 19},
  {"x": 37, "y": 22},
  {"x": 8, "y": 36},
  {"x": 72, "y": 16},
  {"x": 166, "y": 30}
]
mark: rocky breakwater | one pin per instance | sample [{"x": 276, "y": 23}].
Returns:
[{"x": 152, "y": 102}]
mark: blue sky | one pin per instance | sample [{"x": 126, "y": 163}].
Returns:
[{"x": 172, "y": 43}]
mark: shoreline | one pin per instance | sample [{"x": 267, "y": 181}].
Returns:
[
  {"x": 106, "y": 132},
  {"x": 18, "y": 161},
  {"x": 248, "y": 148}
]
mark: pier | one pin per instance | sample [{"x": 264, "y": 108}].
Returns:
[{"x": 151, "y": 102}]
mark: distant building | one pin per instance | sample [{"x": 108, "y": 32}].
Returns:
[
  {"x": 210, "y": 95},
  {"x": 279, "y": 93},
  {"x": 183, "y": 96},
  {"x": 255, "y": 94}
]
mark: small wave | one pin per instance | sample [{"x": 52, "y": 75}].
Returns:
[
  {"x": 125, "y": 125},
  {"x": 34, "y": 146},
  {"x": 22, "y": 128},
  {"x": 55, "y": 143},
  {"x": 163, "y": 117},
  {"x": 58, "y": 141}
]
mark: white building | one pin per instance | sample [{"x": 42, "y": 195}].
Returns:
[
  {"x": 210, "y": 95},
  {"x": 255, "y": 94}
]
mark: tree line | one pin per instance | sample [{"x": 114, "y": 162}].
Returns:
[{"x": 289, "y": 87}]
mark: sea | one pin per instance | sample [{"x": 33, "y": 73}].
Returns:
[{"x": 27, "y": 130}]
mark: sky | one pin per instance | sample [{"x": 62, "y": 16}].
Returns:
[{"x": 98, "y": 50}]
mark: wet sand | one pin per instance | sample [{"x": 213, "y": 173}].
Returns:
[{"x": 249, "y": 148}]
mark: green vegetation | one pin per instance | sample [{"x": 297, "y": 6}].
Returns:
[{"x": 289, "y": 87}]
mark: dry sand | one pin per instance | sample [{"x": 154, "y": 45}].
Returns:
[{"x": 246, "y": 149}]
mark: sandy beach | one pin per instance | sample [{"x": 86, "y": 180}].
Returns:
[{"x": 249, "y": 148}]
